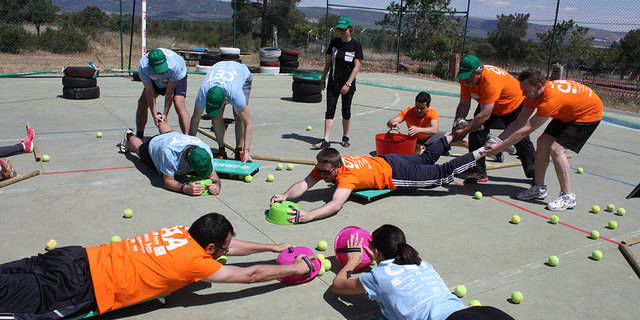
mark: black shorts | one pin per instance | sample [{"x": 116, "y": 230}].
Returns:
[
  {"x": 144, "y": 155},
  {"x": 572, "y": 135},
  {"x": 480, "y": 313},
  {"x": 180, "y": 89},
  {"x": 57, "y": 282}
]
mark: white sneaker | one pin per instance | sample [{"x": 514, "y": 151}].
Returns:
[
  {"x": 125, "y": 141},
  {"x": 535, "y": 192},
  {"x": 563, "y": 202},
  {"x": 495, "y": 140}
]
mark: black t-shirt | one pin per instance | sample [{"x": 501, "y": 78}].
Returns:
[{"x": 343, "y": 55}]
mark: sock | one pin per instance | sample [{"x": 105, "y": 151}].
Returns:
[{"x": 140, "y": 134}]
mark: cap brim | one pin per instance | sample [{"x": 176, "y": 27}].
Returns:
[
  {"x": 342, "y": 26},
  {"x": 464, "y": 75},
  {"x": 160, "y": 68}
]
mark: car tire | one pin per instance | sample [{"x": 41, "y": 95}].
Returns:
[{"x": 81, "y": 93}]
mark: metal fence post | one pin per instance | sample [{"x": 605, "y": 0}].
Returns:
[{"x": 553, "y": 39}]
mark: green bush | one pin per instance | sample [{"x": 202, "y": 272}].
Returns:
[
  {"x": 440, "y": 70},
  {"x": 12, "y": 38},
  {"x": 63, "y": 41}
]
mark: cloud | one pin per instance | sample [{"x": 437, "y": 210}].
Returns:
[
  {"x": 496, "y": 3},
  {"x": 569, "y": 9}
]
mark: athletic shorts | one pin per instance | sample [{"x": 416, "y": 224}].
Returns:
[
  {"x": 180, "y": 89},
  {"x": 572, "y": 135},
  {"x": 480, "y": 313},
  {"x": 144, "y": 155}
]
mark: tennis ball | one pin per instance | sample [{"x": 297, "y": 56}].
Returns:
[
  {"x": 596, "y": 255},
  {"x": 322, "y": 245},
  {"x": 460, "y": 291},
  {"x": 45, "y": 158},
  {"x": 320, "y": 257},
  {"x": 279, "y": 166},
  {"x": 128, "y": 213},
  {"x": 309, "y": 128},
  {"x": 116, "y": 239},
  {"x": 611, "y": 208},
  {"x": 595, "y": 234},
  {"x": 326, "y": 263},
  {"x": 477, "y": 195},
  {"x": 515, "y": 219},
  {"x": 579, "y": 170},
  {"x": 595, "y": 209},
  {"x": 373, "y": 264},
  {"x": 222, "y": 259},
  {"x": 248, "y": 179},
  {"x": 475, "y": 303},
  {"x": 290, "y": 166},
  {"x": 50, "y": 244},
  {"x": 99, "y": 134},
  {"x": 612, "y": 224},
  {"x": 321, "y": 271},
  {"x": 516, "y": 297},
  {"x": 270, "y": 178},
  {"x": 621, "y": 212},
  {"x": 553, "y": 261},
  {"x": 554, "y": 219}
]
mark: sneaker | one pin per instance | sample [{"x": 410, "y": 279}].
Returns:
[
  {"x": 476, "y": 177},
  {"x": 321, "y": 144},
  {"x": 221, "y": 154},
  {"x": 511, "y": 150},
  {"x": 27, "y": 142},
  {"x": 460, "y": 123},
  {"x": 497, "y": 158},
  {"x": 462, "y": 175},
  {"x": 125, "y": 140},
  {"x": 563, "y": 202},
  {"x": 345, "y": 142},
  {"x": 535, "y": 192}
]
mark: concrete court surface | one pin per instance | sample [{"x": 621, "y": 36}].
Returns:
[{"x": 80, "y": 197}]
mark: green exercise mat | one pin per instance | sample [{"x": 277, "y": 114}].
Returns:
[
  {"x": 235, "y": 167},
  {"x": 371, "y": 194}
]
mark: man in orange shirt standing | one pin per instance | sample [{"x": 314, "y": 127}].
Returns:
[
  {"x": 73, "y": 280},
  {"x": 389, "y": 171},
  {"x": 576, "y": 111},
  {"x": 500, "y": 101}
]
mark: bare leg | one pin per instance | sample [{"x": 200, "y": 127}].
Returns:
[
  {"x": 328, "y": 125},
  {"x": 561, "y": 164},
  {"x": 239, "y": 129},
  {"x": 543, "y": 150},
  {"x": 141, "y": 114},
  {"x": 195, "y": 121},
  {"x": 134, "y": 143},
  {"x": 183, "y": 115},
  {"x": 164, "y": 127},
  {"x": 218, "y": 128}
]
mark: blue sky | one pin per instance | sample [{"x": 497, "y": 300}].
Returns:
[{"x": 616, "y": 15}]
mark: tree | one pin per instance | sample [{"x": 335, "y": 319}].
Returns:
[
  {"x": 11, "y": 11},
  {"x": 570, "y": 42},
  {"x": 40, "y": 12},
  {"x": 91, "y": 19},
  {"x": 630, "y": 51},
  {"x": 507, "y": 38}
]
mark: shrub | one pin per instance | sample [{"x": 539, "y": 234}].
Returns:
[
  {"x": 12, "y": 38},
  {"x": 63, "y": 41}
]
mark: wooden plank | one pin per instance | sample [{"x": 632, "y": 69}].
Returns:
[{"x": 19, "y": 178}]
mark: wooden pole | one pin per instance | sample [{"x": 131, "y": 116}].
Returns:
[
  {"x": 631, "y": 257},
  {"x": 19, "y": 178},
  {"x": 36, "y": 154}
]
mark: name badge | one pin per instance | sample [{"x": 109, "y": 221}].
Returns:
[{"x": 349, "y": 55}]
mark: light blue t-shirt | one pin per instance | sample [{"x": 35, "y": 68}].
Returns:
[
  {"x": 230, "y": 76},
  {"x": 410, "y": 291},
  {"x": 177, "y": 69},
  {"x": 166, "y": 151}
]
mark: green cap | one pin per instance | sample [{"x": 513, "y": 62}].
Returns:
[
  {"x": 200, "y": 162},
  {"x": 468, "y": 65},
  {"x": 215, "y": 100},
  {"x": 344, "y": 22},
  {"x": 158, "y": 61}
]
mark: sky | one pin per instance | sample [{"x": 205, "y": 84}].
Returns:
[{"x": 615, "y": 15}]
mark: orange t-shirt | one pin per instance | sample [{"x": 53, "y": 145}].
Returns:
[
  {"x": 409, "y": 116},
  {"x": 360, "y": 173},
  {"x": 568, "y": 101},
  {"x": 147, "y": 266},
  {"x": 496, "y": 86}
]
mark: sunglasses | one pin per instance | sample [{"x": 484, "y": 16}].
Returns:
[
  {"x": 325, "y": 172},
  {"x": 223, "y": 249}
]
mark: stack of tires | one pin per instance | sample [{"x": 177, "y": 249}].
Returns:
[
  {"x": 289, "y": 60},
  {"x": 230, "y": 54},
  {"x": 306, "y": 86},
  {"x": 207, "y": 61},
  {"x": 80, "y": 83},
  {"x": 269, "y": 60}
]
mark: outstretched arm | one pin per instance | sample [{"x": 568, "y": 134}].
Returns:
[
  {"x": 295, "y": 191},
  {"x": 258, "y": 273},
  {"x": 340, "y": 196},
  {"x": 531, "y": 125},
  {"x": 245, "y": 248}
]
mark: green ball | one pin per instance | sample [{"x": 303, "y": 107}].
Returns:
[
  {"x": 128, "y": 213},
  {"x": 373, "y": 264},
  {"x": 517, "y": 297},
  {"x": 45, "y": 158},
  {"x": 320, "y": 256},
  {"x": 326, "y": 263},
  {"x": 270, "y": 178},
  {"x": 595, "y": 209},
  {"x": 116, "y": 239},
  {"x": 477, "y": 195},
  {"x": 290, "y": 166},
  {"x": 99, "y": 134},
  {"x": 515, "y": 219},
  {"x": 50, "y": 244},
  {"x": 248, "y": 179},
  {"x": 222, "y": 259},
  {"x": 621, "y": 212},
  {"x": 611, "y": 208},
  {"x": 322, "y": 245},
  {"x": 579, "y": 170},
  {"x": 475, "y": 303},
  {"x": 309, "y": 128},
  {"x": 612, "y": 224},
  {"x": 279, "y": 166},
  {"x": 553, "y": 261},
  {"x": 595, "y": 234},
  {"x": 596, "y": 255},
  {"x": 554, "y": 219},
  {"x": 321, "y": 271},
  {"x": 460, "y": 291}
]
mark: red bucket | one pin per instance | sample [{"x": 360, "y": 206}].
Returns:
[{"x": 394, "y": 143}]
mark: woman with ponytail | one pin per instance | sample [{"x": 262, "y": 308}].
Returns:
[{"x": 403, "y": 285}]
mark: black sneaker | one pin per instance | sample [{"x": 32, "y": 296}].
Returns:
[
  {"x": 321, "y": 144},
  {"x": 476, "y": 177},
  {"x": 345, "y": 142},
  {"x": 462, "y": 175}
]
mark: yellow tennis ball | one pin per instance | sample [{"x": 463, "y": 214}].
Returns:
[
  {"x": 595, "y": 234},
  {"x": 320, "y": 257},
  {"x": 322, "y": 245},
  {"x": 460, "y": 291},
  {"x": 553, "y": 261},
  {"x": 321, "y": 271},
  {"x": 515, "y": 219},
  {"x": 475, "y": 303},
  {"x": 222, "y": 259},
  {"x": 595, "y": 209},
  {"x": 326, "y": 263},
  {"x": 116, "y": 239},
  {"x": 279, "y": 166},
  {"x": 596, "y": 255},
  {"x": 50, "y": 244},
  {"x": 99, "y": 134},
  {"x": 248, "y": 179},
  {"x": 612, "y": 224},
  {"x": 621, "y": 212},
  {"x": 477, "y": 195},
  {"x": 554, "y": 219},
  {"x": 128, "y": 213},
  {"x": 270, "y": 178},
  {"x": 517, "y": 297},
  {"x": 45, "y": 158}
]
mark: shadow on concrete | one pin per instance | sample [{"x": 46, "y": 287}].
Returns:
[{"x": 155, "y": 178}]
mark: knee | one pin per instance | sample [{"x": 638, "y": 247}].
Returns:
[
  {"x": 557, "y": 150},
  {"x": 544, "y": 141}
]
